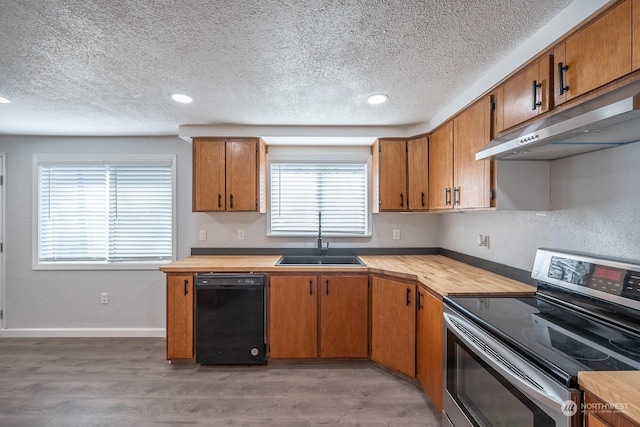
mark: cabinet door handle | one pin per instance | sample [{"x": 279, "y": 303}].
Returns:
[
  {"x": 447, "y": 196},
  {"x": 401, "y": 199},
  {"x": 422, "y": 199},
  {"x": 456, "y": 195},
  {"x": 310, "y": 287},
  {"x": 561, "y": 86},
  {"x": 534, "y": 95},
  {"x": 408, "y": 296},
  {"x": 420, "y": 296},
  {"x": 219, "y": 200},
  {"x": 327, "y": 288},
  {"x": 231, "y": 201},
  {"x": 186, "y": 287}
]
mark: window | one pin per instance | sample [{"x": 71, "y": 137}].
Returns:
[
  {"x": 110, "y": 212},
  {"x": 299, "y": 191}
]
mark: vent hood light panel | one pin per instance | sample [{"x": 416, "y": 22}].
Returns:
[{"x": 604, "y": 122}]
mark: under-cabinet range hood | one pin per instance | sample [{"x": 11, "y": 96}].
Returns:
[{"x": 607, "y": 121}]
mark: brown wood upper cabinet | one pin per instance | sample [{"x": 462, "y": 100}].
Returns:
[
  {"x": 318, "y": 316},
  {"x": 635, "y": 31},
  {"x": 180, "y": 318},
  {"x": 596, "y": 54},
  {"x": 418, "y": 173},
  {"x": 400, "y": 173},
  {"x": 456, "y": 179},
  {"x": 526, "y": 94},
  {"x": 441, "y": 167},
  {"x": 229, "y": 175},
  {"x": 393, "y": 324}
]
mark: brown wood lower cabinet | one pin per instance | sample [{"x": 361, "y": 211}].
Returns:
[
  {"x": 344, "y": 316},
  {"x": 318, "y": 316},
  {"x": 598, "y": 414},
  {"x": 393, "y": 324},
  {"x": 327, "y": 315},
  {"x": 180, "y": 303},
  {"x": 430, "y": 351},
  {"x": 293, "y": 317}
]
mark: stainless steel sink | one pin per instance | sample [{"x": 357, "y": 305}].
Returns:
[{"x": 328, "y": 260}]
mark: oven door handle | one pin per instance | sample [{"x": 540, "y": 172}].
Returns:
[{"x": 522, "y": 375}]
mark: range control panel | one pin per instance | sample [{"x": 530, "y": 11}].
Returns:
[
  {"x": 617, "y": 281},
  {"x": 611, "y": 280},
  {"x": 631, "y": 287}
]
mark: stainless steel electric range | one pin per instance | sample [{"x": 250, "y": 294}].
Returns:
[{"x": 514, "y": 361}]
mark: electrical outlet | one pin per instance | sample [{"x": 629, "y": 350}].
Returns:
[
  {"x": 483, "y": 240},
  {"x": 240, "y": 234},
  {"x": 104, "y": 298},
  {"x": 396, "y": 234},
  {"x": 203, "y": 234}
]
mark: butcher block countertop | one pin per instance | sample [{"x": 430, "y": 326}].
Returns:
[
  {"x": 443, "y": 276},
  {"x": 620, "y": 389},
  {"x": 223, "y": 264}
]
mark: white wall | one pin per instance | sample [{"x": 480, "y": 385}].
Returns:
[
  {"x": 40, "y": 303},
  {"x": 59, "y": 302},
  {"x": 595, "y": 202}
]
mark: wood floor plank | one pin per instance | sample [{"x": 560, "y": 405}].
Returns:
[{"x": 76, "y": 382}]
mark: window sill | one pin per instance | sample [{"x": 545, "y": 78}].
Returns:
[{"x": 62, "y": 266}]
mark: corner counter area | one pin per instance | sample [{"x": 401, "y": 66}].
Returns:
[
  {"x": 389, "y": 311},
  {"x": 611, "y": 398}
]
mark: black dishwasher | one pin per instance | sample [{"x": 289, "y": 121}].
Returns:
[{"x": 230, "y": 326}]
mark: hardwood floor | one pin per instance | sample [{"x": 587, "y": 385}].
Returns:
[{"x": 122, "y": 382}]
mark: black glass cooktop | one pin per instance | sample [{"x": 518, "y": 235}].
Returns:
[{"x": 559, "y": 340}]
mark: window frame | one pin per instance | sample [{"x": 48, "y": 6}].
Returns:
[
  {"x": 321, "y": 155},
  {"x": 137, "y": 159}
]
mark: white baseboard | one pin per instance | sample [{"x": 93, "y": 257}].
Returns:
[{"x": 82, "y": 332}]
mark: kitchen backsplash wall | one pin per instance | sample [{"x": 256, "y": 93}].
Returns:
[
  {"x": 416, "y": 230},
  {"x": 595, "y": 201}
]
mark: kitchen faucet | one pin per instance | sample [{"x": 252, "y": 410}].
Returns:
[{"x": 319, "y": 240}]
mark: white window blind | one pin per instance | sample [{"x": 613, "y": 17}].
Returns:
[
  {"x": 105, "y": 212},
  {"x": 300, "y": 190}
]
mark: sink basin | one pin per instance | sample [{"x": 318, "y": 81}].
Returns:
[{"x": 328, "y": 260}]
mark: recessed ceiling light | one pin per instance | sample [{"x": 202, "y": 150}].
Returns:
[
  {"x": 4, "y": 100},
  {"x": 179, "y": 97},
  {"x": 377, "y": 99}
]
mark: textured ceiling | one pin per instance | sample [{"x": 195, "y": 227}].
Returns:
[{"x": 103, "y": 67}]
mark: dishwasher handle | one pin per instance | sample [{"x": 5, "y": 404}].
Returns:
[
  {"x": 230, "y": 281},
  {"x": 221, "y": 286}
]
